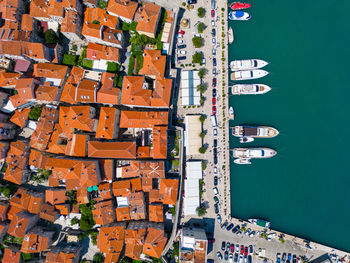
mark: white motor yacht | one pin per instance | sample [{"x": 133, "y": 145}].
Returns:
[
  {"x": 246, "y": 139},
  {"x": 242, "y": 161},
  {"x": 254, "y": 131},
  {"x": 250, "y": 153},
  {"x": 239, "y": 15},
  {"x": 248, "y": 74},
  {"x": 249, "y": 89},
  {"x": 246, "y": 64}
]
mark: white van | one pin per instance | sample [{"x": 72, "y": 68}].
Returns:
[{"x": 213, "y": 121}]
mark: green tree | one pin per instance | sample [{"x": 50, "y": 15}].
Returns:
[
  {"x": 202, "y": 72},
  {"x": 93, "y": 236},
  {"x": 86, "y": 221},
  {"x": 69, "y": 60},
  {"x": 35, "y": 113},
  {"x": 98, "y": 257},
  {"x": 201, "y": 211},
  {"x": 201, "y": 12},
  {"x": 95, "y": 22},
  {"x": 204, "y": 165},
  {"x": 201, "y": 88},
  {"x": 200, "y": 27},
  {"x": 202, "y": 135},
  {"x": 202, "y": 118},
  {"x": 202, "y": 149},
  {"x": 81, "y": 57},
  {"x": 51, "y": 37},
  {"x": 197, "y": 42},
  {"x": 102, "y": 4},
  {"x": 74, "y": 221}
]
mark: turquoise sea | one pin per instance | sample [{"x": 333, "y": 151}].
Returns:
[{"x": 304, "y": 190}]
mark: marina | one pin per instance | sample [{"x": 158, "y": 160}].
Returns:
[{"x": 294, "y": 209}]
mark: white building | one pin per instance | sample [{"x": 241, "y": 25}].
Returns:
[
  {"x": 191, "y": 187},
  {"x": 193, "y": 129},
  {"x": 189, "y": 82},
  {"x": 193, "y": 245}
]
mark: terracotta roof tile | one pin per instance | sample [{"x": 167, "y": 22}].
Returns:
[
  {"x": 20, "y": 117},
  {"x": 8, "y": 79},
  {"x": 86, "y": 91},
  {"x": 143, "y": 152},
  {"x": 122, "y": 8},
  {"x": 154, "y": 243},
  {"x": 55, "y": 196},
  {"x": 64, "y": 209},
  {"x": 103, "y": 213},
  {"x": 155, "y": 212},
  {"x": 160, "y": 142},
  {"x": 12, "y": 211},
  {"x": 98, "y": 14},
  {"x": 142, "y": 119},
  {"x": 106, "y": 123},
  {"x": 70, "y": 22},
  {"x": 134, "y": 240},
  {"x": 48, "y": 212},
  {"x": 153, "y": 63},
  {"x": 97, "y": 51},
  {"x": 48, "y": 70},
  {"x": 147, "y": 17},
  {"x": 118, "y": 150},
  {"x": 92, "y": 30},
  {"x": 27, "y": 22},
  {"x": 35, "y": 243},
  {"x": 47, "y": 93},
  {"x": 78, "y": 117},
  {"x": 77, "y": 145},
  {"x": 104, "y": 192},
  {"x": 111, "y": 239},
  {"x": 17, "y": 159},
  {"x": 123, "y": 213},
  {"x": 11, "y": 256},
  {"x": 20, "y": 223},
  {"x": 121, "y": 188},
  {"x": 36, "y": 51},
  {"x": 168, "y": 189},
  {"x": 37, "y": 159},
  {"x": 131, "y": 170},
  {"x": 107, "y": 167},
  {"x": 4, "y": 208},
  {"x": 152, "y": 169}
]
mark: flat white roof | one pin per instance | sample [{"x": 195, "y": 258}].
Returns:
[
  {"x": 193, "y": 128},
  {"x": 189, "y": 82},
  {"x": 191, "y": 187},
  {"x": 194, "y": 170}
]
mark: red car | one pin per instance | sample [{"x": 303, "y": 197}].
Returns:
[
  {"x": 213, "y": 101},
  {"x": 232, "y": 248},
  {"x": 214, "y": 110},
  {"x": 246, "y": 251},
  {"x": 181, "y": 32},
  {"x": 242, "y": 249},
  {"x": 214, "y": 82},
  {"x": 213, "y": 13}
]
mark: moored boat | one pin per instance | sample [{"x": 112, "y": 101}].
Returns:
[
  {"x": 245, "y": 64},
  {"x": 260, "y": 222},
  {"x": 231, "y": 113},
  {"x": 248, "y": 74},
  {"x": 246, "y": 139},
  {"x": 242, "y": 161},
  {"x": 239, "y": 6},
  {"x": 254, "y": 131},
  {"x": 239, "y": 15},
  {"x": 230, "y": 35},
  {"x": 249, "y": 89},
  {"x": 250, "y": 153}
]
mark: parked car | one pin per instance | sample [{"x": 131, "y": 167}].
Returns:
[
  {"x": 213, "y": 32},
  {"x": 245, "y": 259},
  {"x": 216, "y": 191},
  {"x": 216, "y": 199},
  {"x": 218, "y": 217},
  {"x": 219, "y": 255},
  {"x": 289, "y": 256},
  {"x": 215, "y": 132},
  {"x": 228, "y": 245},
  {"x": 181, "y": 58},
  {"x": 214, "y": 82},
  {"x": 236, "y": 257},
  {"x": 215, "y": 143},
  {"x": 213, "y": 41},
  {"x": 214, "y": 61},
  {"x": 214, "y": 52},
  {"x": 180, "y": 41},
  {"x": 224, "y": 225},
  {"x": 213, "y": 23},
  {"x": 232, "y": 247},
  {"x": 234, "y": 230},
  {"x": 212, "y": 13},
  {"x": 210, "y": 260},
  {"x": 247, "y": 232},
  {"x": 181, "y": 32},
  {"x": 214, "y": 71},
  {"x": 249, "y": 259},
  {"x": 214, "y": 110},
  {"x": 237, "y": 247},
  {"x": 223, "y": 245},
  {"x": 240, "y": 259},
  {"x": 179, "y": 36},
  {"x": 215, "y": 180},
  {"x": 191, "y": 2},
  {"x": 213, "y": 101},
  {"x": 204, "y": 62},
  {"x": 251, "y": 250},
  {"x": 284, "y": 257},
  {"x": 246, "y": 251},
  {"x": 252, "y": 234},
  {"x": 226, "y": 255},
  {"x": 294, "y": 259},
  {"x": 215, "y": 159},
  {"x": 278, "y": 257},
  {"x": 197, "y": 35},
  {"x": 181, "y": 52},
  {"x": 215, "y": 170},
  {"x": 242, "y": 249},
  {"x": 230, "y": 258},
  {"x": 216, "y": 208},
  {"x": 214, "y": 92},
  {"x": 230, "y": 226},
  {"x": 215, "y": 151},
  {"x": 181, "y": 46}
]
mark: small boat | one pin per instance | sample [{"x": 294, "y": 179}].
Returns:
[
  {"x": 239, "y": 15},
  {"x": 231, "y": 113},
  {"x": 249, "y": 153},
  {"x": 260, "y": 222},
  {"x": 254, "y": 131},
  {"x": 248, "y": 74},
  {"x": 242, "y": 161},
  {"x": 230, "y": 36},
  {"x": 239, "y": 6},
  {"x": 246, "y": 139},
  {"x": 246, "y": 64},
  {"x": 249, "y": 89}
]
